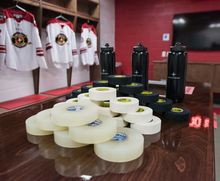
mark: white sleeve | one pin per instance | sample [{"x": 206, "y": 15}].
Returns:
[
  {"x": 2, "y": 44},
  {"x": 83, "y": 49},
  {"x": 95, "y": 50},
  {"x": 38, "y": 48},
  {"x": 48, "y": 41},
  {"x": 75, "y": 56}
]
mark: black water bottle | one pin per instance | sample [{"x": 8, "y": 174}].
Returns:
[
  {"x": 107, "y": 61},
  {"x": 140, "y": 65},
  {"x": 176, "y": 73}
]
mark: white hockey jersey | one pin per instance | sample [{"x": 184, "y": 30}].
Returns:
[
  {"x": 23, "y": 44},
  {"x": 61, "y": 44},
  {"x": 2, "y": 39},
  {"x": 88, "y": 45}
]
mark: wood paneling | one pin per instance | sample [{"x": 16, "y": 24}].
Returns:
[{"x": 196, "y": 72}]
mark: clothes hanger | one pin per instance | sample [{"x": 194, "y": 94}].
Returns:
[
  {"x": 17, "y": 6},
  {"x": 62, "y": 17}
]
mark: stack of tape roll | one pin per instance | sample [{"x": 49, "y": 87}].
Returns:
[
  {"x": 143, "y": 121},
  {"x": 126, "y": 145},
  {"x": 63, "y": 139},
  {"x": 84, "y": 98},
  {"x": 132, "y": 88},
  {"x": 98, "y": 131},
  {"x": 98, "y": 117},
  {"x": 162, "y": 105},
  {"x": 142, "y": 114},
  {"x": 33, "y": 129},
  {"x": 73, "y": 114},
  {"x": 44, "y": 121},
  {"x": 148, "y": 128},
  {"x": 102, "y": 93},
  {"x": 147, "y": 97},
  {"x": 120, "y": 121},
  {"x": 119, "y": 79},
  {"x": 176, "y": 113},
  {"x": 100, "y": 83},
  {"x": 124, "y": 104},
  {"x": 104, "y": 109}
]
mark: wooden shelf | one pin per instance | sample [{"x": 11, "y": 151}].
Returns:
[
  {"x": 35, "y": 3},
  {"x": 88, "y": 8},
  {"x": 56, "y": 8},
  {"x": 86, "y": 17},
  {"x": 94, "y": 1}
]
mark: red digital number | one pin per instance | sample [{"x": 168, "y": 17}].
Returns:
[{"x": 195, "y": 122}]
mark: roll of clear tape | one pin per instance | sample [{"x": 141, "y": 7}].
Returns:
[
  {"x": 102, "y": 93},
  {"x": 33, "y": 129},
  {"x": 104, "y": 109},
  {"x": 100, "y": 130},
  {"x": 142, "y": 115},
  {"x": 125, "y": 146},
  {"x": 63, "y": 139},
  {"x": 73, "y": 114},
  {"x": 120, "y": 122},
  {"x": 124, "y": 105},
  {"x": 148, "y": 128},
  {"x": 44, "y": 121}
]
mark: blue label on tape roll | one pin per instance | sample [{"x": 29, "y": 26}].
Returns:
[
  {"x": 119, "y": 137},
  {"x": 75, "y": 108},
  {"x": 95, "y": 123}
]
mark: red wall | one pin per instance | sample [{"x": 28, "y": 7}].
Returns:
[{"x": 146, "y": 20}]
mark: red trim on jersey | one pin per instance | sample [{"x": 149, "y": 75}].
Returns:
[
  {"x": 83, "y": 50},
  {"x": 38, "y": 51},
  {"x": 40, "y": 54},
  {"x": 91, "y": 27},
  {"x": 74, "y": 52},
  {"x": 55, "y": 20},
  {"x": 1, "y": 48},
  {"x": 48, "y": 48},
  {"x": 27, "y": 16}
]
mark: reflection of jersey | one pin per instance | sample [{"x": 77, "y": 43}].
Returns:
[
  {"x": 61, "y": 44},
  {"x": 24, "y": 49},
  {"x": 2, "y": 39},
  {"x": 88, "y": 46}
]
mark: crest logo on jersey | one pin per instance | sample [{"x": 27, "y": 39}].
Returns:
[
  {"x": 61, "y": 39},
  {"x": 89, "y": 42},
  {"x": 19, "y": 40}
]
